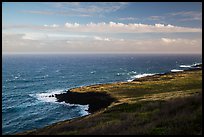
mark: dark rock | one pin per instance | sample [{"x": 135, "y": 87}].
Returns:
[{"x": 96, "y": 100}]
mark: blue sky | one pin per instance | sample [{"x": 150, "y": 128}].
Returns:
[
  {"x": 135, "y": 24},
  {"x": 15, "y": 13}
]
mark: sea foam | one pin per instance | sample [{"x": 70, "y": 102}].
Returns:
[
  {"x": 190, "y": 66},
  {"x": 176, "y": 70},
  {"x": 140, "y": 76},
  {"x": 185, "y": 66},
  {"x": 49, "y": 96}
]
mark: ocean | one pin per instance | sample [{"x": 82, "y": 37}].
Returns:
[{"x": 29, "y": 80}]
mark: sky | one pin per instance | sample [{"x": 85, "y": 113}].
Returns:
[{"x": 102, "y": 27}]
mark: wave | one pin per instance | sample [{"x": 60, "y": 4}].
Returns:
[
  {"x": 83, "y": 108},
  {"x": 132, "y": 72},
  {"x": 120, "y": 74},
  {"x": 196, "y": 64},
  {"x": 140, "y": 76},
  {"x": 190, "y": 66},
  {"x": 176, "y": 70},
  {"x": 50, "y": 97},
  {"x": 185, "y": 66},
  {"x": 93, "y": 72}
]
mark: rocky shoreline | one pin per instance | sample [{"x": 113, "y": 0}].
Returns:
[
  {"x": 123, "y": 94},
  {"x": 156, "y": 76},
  {"x": 96, "y": 101}
]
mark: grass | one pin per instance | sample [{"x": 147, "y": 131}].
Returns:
[{"x": 169, "y": 104}]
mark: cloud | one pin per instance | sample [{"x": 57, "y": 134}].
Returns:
[
  {"x": 127, "y": 18},
  {"x": 79, "y": 9},
  {"x": 51, "y": 36},
  {"x": 15, "y": 43},
  {"x": 68, "y": 42},
  {"x": 101, "y": 39},
  {"x": 34, "y": 36},
  {"x": 167, "y": 40},
  {"x": 100, "y": 7},
  {"x": 70, "y": 25},
  {"x": 54, "y": 25},
  {"x": 188, "y": 15},
  {"x": 179, "y": 41},
  {"x": 38, "y": 12},
  {"x": 61, "y": 13},
  {"x": 156, "y": 18},
  {"x": 113, "y": 27}
]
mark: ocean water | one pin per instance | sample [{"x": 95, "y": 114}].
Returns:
[{"x": 29, "y": 80}]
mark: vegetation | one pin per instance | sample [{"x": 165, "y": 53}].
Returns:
[{"x": 169, "y": 104}]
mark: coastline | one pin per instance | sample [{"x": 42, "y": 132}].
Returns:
[{"x": 99, "y": 101}]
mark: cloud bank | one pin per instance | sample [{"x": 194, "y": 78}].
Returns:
[
  {"x": 113, "y": 27},
  {"x": 33, "y": 42}
]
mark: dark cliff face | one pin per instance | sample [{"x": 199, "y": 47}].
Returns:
[{"x": 95, "y": 100}]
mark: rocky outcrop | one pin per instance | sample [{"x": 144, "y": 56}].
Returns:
[{"x": 95, "y": 100}]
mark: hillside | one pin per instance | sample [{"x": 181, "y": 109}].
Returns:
[{"x": 165, "y": 104}]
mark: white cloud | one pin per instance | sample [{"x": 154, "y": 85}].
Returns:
[
  {"x": 34, "y": 36},
  {"x": 53, "y": 26},
  {"x": 180, "y": 41},
  {"x": 111, "y": 27},
  {"x": 101, "y": 39},
  {"x": 51, "y": 36},
  {"x": 106, "y": 39},
  {"x": 68, "y": 42},
  {"x": 15, "y": 43},
  {"x": 167, "y": 40},
  {"x": 97, "y": 38},
  {"x": 70, "y": 25},
  {"x": 114, "y": 27},
  {"x": 160, "y": 25}
]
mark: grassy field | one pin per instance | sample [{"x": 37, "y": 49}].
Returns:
[{"x": 169, "y": 104}]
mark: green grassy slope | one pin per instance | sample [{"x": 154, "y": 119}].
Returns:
[{"x": 166, "y": 104}]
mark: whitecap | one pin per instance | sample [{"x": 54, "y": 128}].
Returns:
[
  {"x": 132, "y": 72},
  {"x": 176, "y": 70},
  {"x": 195, "y": 64},
  {"x": 185, "y": 66},
  {"x": 93, "y": 72},
  {"x": 140, "y": 76},
  {"x": 57, "y": 71},
  {"x": 48, "y": 96},
  {"x": 190, "y": 66},
  {"x": 143, "y": 75},
  {"x": 130, "y": 80},
  {"x": 41, "y": 77}
]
